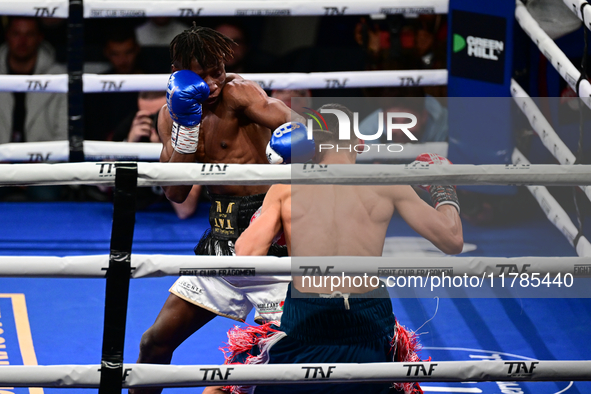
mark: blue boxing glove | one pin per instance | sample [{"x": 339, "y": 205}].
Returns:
[
  {"x": 186, "y": 91},
  {"x": 290, "y": 144}
]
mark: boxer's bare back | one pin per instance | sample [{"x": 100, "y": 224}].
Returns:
[{"x": 345, "y": 220}]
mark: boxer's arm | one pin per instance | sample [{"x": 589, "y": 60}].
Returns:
[
  {"x": 176, "y": 194},
  {"x": 164, "y": 129},
  {"x": 187, "y": 208},
  {"x": 258, "y": 237},
  {"x": 441, "y": 226},
  {"x": 248, "y": 97}
]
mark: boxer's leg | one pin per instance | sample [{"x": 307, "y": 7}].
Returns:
[{"x": 177, "y": 321}]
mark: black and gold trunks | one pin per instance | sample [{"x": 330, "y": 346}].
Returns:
[{"x": 229, "y": 216}]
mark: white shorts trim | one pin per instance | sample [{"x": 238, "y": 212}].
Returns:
[{"x": 234, "y": 297}]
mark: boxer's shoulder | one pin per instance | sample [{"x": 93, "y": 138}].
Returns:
[
  {"x": 231, "y": 77},
  {"x": 242, "y": 91},
  {"x": 394, "y": 190}
]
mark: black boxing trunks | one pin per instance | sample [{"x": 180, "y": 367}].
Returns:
[{"x": 229, "y": 216}]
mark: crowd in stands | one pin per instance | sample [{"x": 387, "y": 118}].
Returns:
[{"x": 141, "y": 46}]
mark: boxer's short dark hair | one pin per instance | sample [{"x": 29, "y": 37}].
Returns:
[
  {"x": 209, "y": 47},
  {"x": 332, "y": 124}
]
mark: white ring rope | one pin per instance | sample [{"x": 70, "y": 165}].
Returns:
[
  {"x": 554, "y": 211},
  {"x": 99, "y": 83},
  {"x": 150, "y": 174},
  {"x": 191, "y": 8},
  {"x": 408, "y": 151},
  {"x": 42, "y": 8},
  {"x": 554, "y": 55},
  {"x": 151, "y": 375},
  {"x": 188, "y": 8},
  {"x": 42, "y": 83},
  {"x": 59, "y": 151},
  {"x": 542, "y": 127},
  {"x": 149, "y": 266},
  {"x": 562, "y": 153},
  {"x": 575, "y": 7}
]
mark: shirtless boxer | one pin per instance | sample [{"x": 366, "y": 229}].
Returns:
[
  {"x": 211, "y": 117},
  {"x": 351, "y": 324}
]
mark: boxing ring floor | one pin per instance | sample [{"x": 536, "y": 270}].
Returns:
[{"x": 65, "y": 316}]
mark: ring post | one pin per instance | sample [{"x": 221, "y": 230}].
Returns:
[
  {"x": 75, "y": 92},
  {"x": 480, "y": 64},
  {"x": 118, "y": 276}
]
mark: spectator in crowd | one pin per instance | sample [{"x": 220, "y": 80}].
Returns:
[
  {"x": 30, "y": 117},
  {"x": 296, "y": 99},
  {"x": 121, "y": 49},
  {"x": 55, "y": 32},
  {"x": 396, "y": 43},
  {"x": 396, "y": 37},
  {"x": 374, "y": 38},
  {"x": 246, "y": 59},
  {"x": 429, "y": 48},
  {"x": 237, "y": 63},
  {"x": 140, "y": 126},
  {"x": 159, "y": 31},
  {"x": 429, "y": 44}
]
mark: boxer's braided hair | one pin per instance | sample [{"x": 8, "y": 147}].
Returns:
[{"x": 208, "y": 46}]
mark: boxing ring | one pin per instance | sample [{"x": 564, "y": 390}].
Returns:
[
  {"x": 482, "y": 339},
  {"x": 52, "y": 308}
]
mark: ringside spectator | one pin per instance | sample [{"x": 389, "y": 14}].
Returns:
[
  {"x": 104, "y": 111},
  {"x": 30, "y": 117},
  {"x": 140, "y": 126}
]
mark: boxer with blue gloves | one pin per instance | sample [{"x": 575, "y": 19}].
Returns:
[
  {"x": 186, "y": 91},
  {"x": 214, "y": 117}
]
